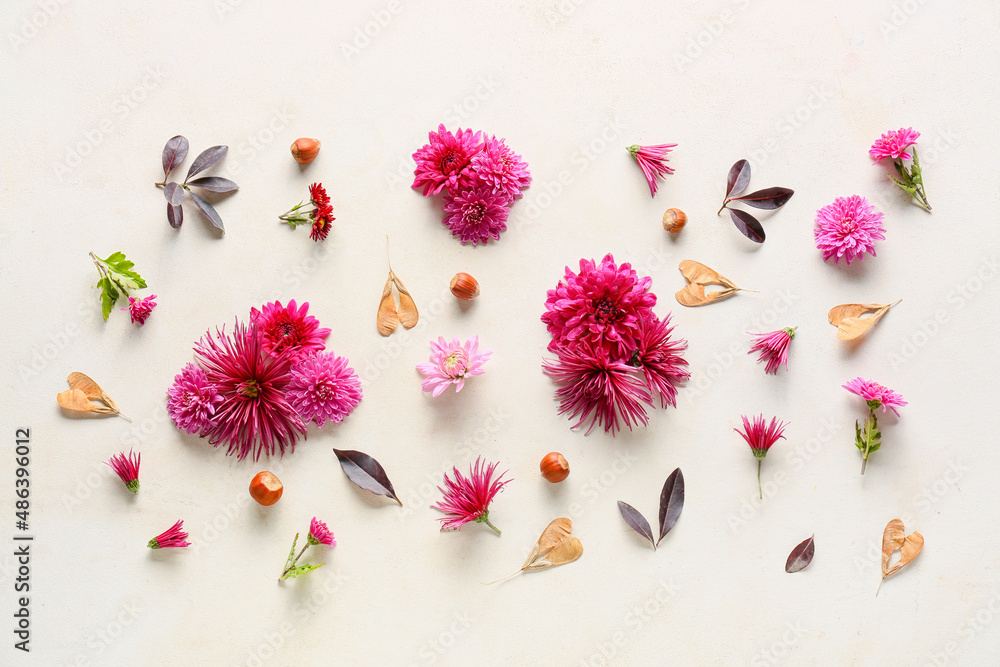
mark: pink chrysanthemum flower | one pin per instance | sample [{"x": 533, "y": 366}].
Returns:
[
  {"x": 760, "y": 436},
  {"x": 894, "y": 144},
  {"x": 140, "y": 309},
  {"x": 660, "y": 359},
  {"x": 442, "y": 163},
  {"x": 320, "y": 534},
  {"x": 601, "y": 307},
  {"x": 452, "y": 363},
  {"x": 773, "y": 347},
  {"x": 653, "y": 162},
  {"x": 468, "y": 498},
  {"x": 501, "y": 168},
  {"x": 592, "y": 386},
  {"x": 254, "y": 415},
  {"x": 289, "y": 330},
  {"x": 172, "y": 538},
  {"x": 192, "y": 400},
  {"x": 875, "y": 394},
  {"x": 848, "y": 228},
  {"x": 127, "y": 468},
  {"x": 323, "y": 387},
  {"x": 476, "y": 216}
]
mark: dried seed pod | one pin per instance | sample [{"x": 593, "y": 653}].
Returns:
[
  {"x": 674, "y": 220},
  {"x": 305, "y": 150},
  {"x": 464, "y": 286}
]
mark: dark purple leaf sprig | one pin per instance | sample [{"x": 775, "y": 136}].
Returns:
[
  {"x": 801, "y": 555},
  {"x": 671, "y": 504},
  {"x": 174, "y": 153},
  {"x": 366, "y": 473},
  {"x": 768, "y": 199}
]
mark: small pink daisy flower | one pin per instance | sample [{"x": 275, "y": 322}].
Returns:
[
  {"x": 171, "y": 538},
  {"x": 773, "y": 347},
  {"x": 653, "y": 162},
  {"x": 760, "y": 436},
  {"x": 875, "y": 394},
  {"x": 476, "y": 216},
  {"x": 289, "y": 329},
  {"x": 894, "y": 144},
  {"x": 442, "y": 163},
  {"x": 140, "y": 309},
  {"x": 127, "y": 468},
  {"x": 848, "y": 228},
  {"x": 468, "y": 499},
  {"x": 323, "y": 387},
  {"x": 320, "y": 534},
  {"x": 192, "y": 400},
  {"x": 501, "y": 168},
  {"x": 452, "y": 363}
]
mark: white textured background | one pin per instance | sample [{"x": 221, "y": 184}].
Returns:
[{"x": 93, "y": 90}]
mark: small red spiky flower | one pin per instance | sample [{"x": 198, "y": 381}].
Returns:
[
  {"x": 468, "y": 499},
  {"x": 760, "y": 436},
  {"x": 127, "y": 468},
  {"x": 171, "y": 538}
]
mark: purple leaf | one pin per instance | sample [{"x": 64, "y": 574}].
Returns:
[
  {"x": 739, "y": 178},
  {"x": 175, "y": 216},
  {"x": 801, "y": 556},
  {"x": 214, "y": 184},
  {"x": 636, "y": 521},
  {"x": 768, "y": 198},
  {"x": 208, "y": 211},
  {"x": 366, "y": 473},
  {"x": 671, "y": 502},
  {"x": 208, "y": 157},
  {"x": 174, "y": 193},
  {"x": 173, "y": 154},
  {"x": 746, "y": 223}
]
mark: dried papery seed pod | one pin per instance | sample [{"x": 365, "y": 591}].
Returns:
[
  {"x": 464, "y": 286},
  {"x": 305, "y": 150},
  {"x": 674, "y": 220}
]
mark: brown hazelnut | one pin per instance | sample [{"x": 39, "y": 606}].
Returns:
[
  {"x": 464, "y": 286},
  {"x": 305, "y": 150},
  {"x": 554, "y": 467},
  {"x": 674, "y": 220}
]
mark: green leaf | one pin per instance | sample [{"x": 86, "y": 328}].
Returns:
[
  {"x": 291, "y": 553},
  {"x": 121, "y": 268},
  {"x": 301, "y": 569},
  {"x": 109, "y": 295}
]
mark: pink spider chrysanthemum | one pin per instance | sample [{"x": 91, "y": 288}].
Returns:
[
  {"x": 875, "y": 394},
  {"x": 593, "y": 387},
  {"x": 773, "y": 347},
  {"x": 452, "y": 363},
  {"x": 442, "y": 164},
  {"x": 468, "y": 499},
  {"x": 127, "y": 469},
  {"x": 172, "y": 538},
  {"x": 601, "y": 306},
  {"x": 660, "y": 359},
  {"x": 289, "y": 330},
  {"x": 848, "y": 228},
  {"x": 254, "y": 415},
  {"x": 476, "y": 216},
  {"x": 140, "y": 309},
  {"x": 760, "y": 436},
  {"x": 323, "y": 387},
  {"x": 192, "y": 400},
  {"x": 653, "y": 162},
  {"x": 894, "y": 144},
  {"x": 320, "y": 534},
  {"x": 501, "y": 168}
]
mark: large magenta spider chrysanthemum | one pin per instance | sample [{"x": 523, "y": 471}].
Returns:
[
  {"x": 254, "y": 415},
  {"x": 468, "y": 499},
  {"x": 660, "y": 359},
  {"x": 289, "y": 330},
  {"x": 442, "y": 163},
  {"x": 601, "y": 306}
]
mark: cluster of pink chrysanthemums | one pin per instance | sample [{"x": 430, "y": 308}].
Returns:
[
  {"x": 479, "y": 176},
  {"x": 613, "y": 354},
  {"x": 255, "y": 388}
]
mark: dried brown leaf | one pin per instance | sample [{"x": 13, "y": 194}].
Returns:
[
  {"x": 407, "y": 308},
  {"x": 75, "y": 400},
  {"x": 556, "y": 546},
  {"x": 848, "y": 318},
  {"x": 909, "y": 547},
  {"x": 91, "y": 389},
  {"x": 387, "y": 318},
  {"x": 698, "y": 276}
]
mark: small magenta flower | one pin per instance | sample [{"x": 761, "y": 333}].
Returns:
[
  {"x": 139, "y": 309},
  {"x": 173, "y": 537},
  {"x": 192, "y": 400},
  {"x": 318, "y": 534},
  {"x": 894, "y": 144},
  {"x": 760, "y": 436},
  {"x": 467, "y": 499},
  {"x": 323, "y": 387},
  {"x": 452, "y": 363},
  {"x": 848, "y": 228},
  {"x": 869, "y": 438},
  {"x": 127, "y": 468},
  {"x": 773, "y": 347},
  {"x": 653, "y": 162}
]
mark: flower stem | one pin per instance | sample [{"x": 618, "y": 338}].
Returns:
[
  {"x": 486, "y": 519},
  {"x": 292, "y": 566},
  {"x": 868, "y": 440},
  {"x": 759, "y": 487}
]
